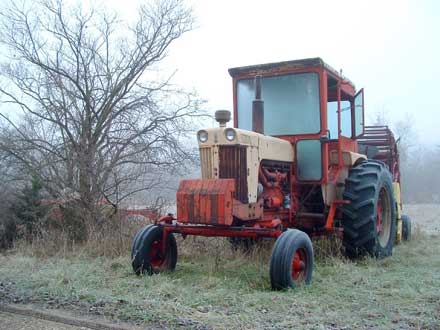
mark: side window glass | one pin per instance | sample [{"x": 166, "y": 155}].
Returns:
[
  {"x": 332, "y": 119},
  {"x": 308, "y": 158},
  {"x": 359, "y": 112}
]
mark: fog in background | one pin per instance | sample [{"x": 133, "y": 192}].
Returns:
[{"x": 388, "y": 48}]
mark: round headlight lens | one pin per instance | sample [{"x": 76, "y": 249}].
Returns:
[
  {"x": 230, "y": 134},
  {"x": 202, "y": 136}
]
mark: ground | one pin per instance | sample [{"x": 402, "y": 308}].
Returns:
[
  {"x": 214, "y": 288},
  {"x": 426, "y": 217},
  {"x": 13, "y": 321}
]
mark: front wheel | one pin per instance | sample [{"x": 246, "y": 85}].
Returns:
[
  {"x": 291, "y": 262},
  {"x": 147, "y": 255}
]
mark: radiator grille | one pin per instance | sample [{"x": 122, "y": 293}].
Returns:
[
  {"x": 206, "y": 163},
  {"x": 233, "y": 165}
]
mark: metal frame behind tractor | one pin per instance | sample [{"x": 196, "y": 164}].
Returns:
[{"x": 298, "y": 162}]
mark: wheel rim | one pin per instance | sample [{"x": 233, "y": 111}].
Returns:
[
  {"x": 156, "y": 257},
  {"x": 299, "y": 265},
  {"x": 383, "y": 220}
]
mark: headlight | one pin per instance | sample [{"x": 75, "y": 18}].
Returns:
[
  {"x": 230, "y": 134},
  {"x": 202, "y": 136}
]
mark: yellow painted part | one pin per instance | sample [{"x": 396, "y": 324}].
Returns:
[
  {"x": 398, "y": 200},
  {"x": 399, "y": 232}
]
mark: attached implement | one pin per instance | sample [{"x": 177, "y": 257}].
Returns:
[{"x": 298, "y": 162}]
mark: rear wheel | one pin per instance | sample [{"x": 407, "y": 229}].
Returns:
[
  {"x": 369, "y": 221},
  {"x": 406, "y": 227},
  {"x": 291, "y": 263},
  {"x": 147, "y": 256}
]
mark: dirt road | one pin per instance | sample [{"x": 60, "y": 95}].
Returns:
[
  {"x": 14, "y": 322},
  {"x": 18, "y": 317}
]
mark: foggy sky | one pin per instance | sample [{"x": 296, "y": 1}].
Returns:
[{"x": 390, "y": 48}]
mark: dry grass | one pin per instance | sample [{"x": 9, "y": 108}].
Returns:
[
  {"x": 111, "y": 239},
  {"x": 217, "y": 287},
  {"x": 327, "y": 248}
]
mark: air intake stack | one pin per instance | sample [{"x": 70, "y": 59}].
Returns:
[{"x": 258, "y": 108}]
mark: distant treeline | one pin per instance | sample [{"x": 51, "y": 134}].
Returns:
[{"x": 420, "y": 176}]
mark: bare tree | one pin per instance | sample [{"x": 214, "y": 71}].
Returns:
[
  {"x": 407, "y": 136},
  {"x": 380, "y": 117},
  {"x": 95, "y": 113}
]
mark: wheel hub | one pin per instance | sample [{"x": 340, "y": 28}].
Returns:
[
  {"x": 383, "y": 220},
  {"x": 156, "y": 258},
  {"x": 299, "y": 265}
]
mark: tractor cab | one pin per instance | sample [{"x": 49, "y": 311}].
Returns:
[{"x": 307, "y": 103}]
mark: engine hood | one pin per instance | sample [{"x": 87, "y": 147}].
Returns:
[{"x": 269, "y": 147}]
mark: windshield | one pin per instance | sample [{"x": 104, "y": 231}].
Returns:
[{"x": 291, "y": 104}]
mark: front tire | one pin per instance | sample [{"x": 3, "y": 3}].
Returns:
[
  {"x": 147, "y": 256},
  {"x": 291, "y": 262},
  {"x": 369, "y": 220}
]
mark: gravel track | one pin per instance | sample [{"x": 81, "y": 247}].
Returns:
[{"x": 14, "y": 317}]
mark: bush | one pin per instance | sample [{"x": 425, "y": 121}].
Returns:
[
  {"x": 8, "y": 231},
  {"x": 28, "y": 211}
]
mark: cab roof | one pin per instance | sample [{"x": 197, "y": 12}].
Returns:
[{"x": 279, "y": 67}]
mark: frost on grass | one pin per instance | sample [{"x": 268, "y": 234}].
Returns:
[{"x": 216, "y": 287}]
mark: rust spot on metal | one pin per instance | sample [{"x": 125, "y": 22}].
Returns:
[{"x": 205, "y": 201}]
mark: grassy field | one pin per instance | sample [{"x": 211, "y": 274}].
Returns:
[{"x": 216, "y": 288}]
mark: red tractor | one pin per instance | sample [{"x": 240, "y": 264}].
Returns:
[{"x": 299, "y": 164}]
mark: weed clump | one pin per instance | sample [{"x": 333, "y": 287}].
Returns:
[{"x": 327, "y": 248}]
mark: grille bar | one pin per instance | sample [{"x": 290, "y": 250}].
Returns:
[
  {"x": 233, "y": 165},
  {"x": 206, "y": 162}
]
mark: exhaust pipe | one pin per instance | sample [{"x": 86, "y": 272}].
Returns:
[{"x": 258, "y": 108}]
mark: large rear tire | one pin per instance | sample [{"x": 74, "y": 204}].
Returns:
[
  {"x": 147, "y": 256},
  {"x": 369, "y": 221},
  {"x": 291, "y": 263}
]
